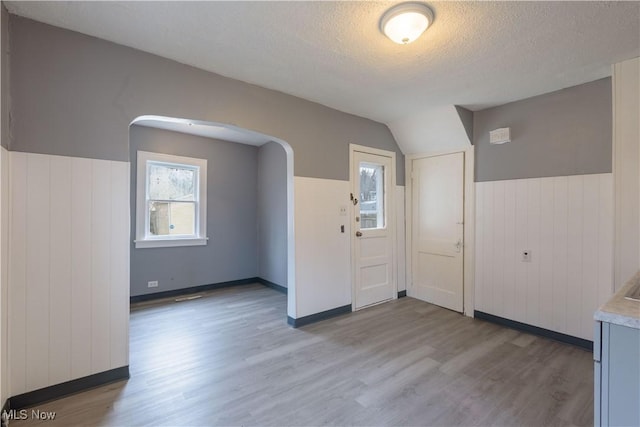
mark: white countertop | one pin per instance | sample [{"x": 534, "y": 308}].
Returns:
[{"x": 619, "y": 310}]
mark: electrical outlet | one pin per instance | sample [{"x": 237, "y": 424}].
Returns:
[
  {"x": 152, "y": 284},
  {"x": 343, "y": 210},
  {"x": 526, "y": 255}
]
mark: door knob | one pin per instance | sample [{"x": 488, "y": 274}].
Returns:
[{"x": 358, "y": 233}]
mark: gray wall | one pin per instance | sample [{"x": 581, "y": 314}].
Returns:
[
  {"x": 231, "y": 252},
  {"x": 75, "y": 95},
  {"x": 272, "y": 213},
  {"x": 567, "y": 132}
]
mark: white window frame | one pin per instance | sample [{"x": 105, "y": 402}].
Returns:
[{"x": 143, "y": 239}]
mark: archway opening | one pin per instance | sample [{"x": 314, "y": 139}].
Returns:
[{"x": 274, "y": 222}]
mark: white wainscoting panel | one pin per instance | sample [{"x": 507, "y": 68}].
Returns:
[
  {"x": 626, "y": 168},
  {"x": 323, "y": 254},
  {"x": 4, "y": 274},
  {"x": 17, "y": 274},
  {"x": 68, "y": 268},
  {"x": 567, "y": 224}
]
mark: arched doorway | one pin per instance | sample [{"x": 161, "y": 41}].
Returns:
[{"x": 235, "y": 134}]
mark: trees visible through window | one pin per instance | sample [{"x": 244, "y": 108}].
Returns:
[{"x": 371, "y": 196}]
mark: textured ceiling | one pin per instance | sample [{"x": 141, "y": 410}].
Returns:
[{"x": 476, "y": 54}]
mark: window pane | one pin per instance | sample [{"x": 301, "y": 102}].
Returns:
[
  {"x": 171, "y": 218},
  {"x": 182, "y": 218},
  {"x": 371, "y": 196},
  {"x": 158, "y": 219},
  {"x": 171, "y": 182}
]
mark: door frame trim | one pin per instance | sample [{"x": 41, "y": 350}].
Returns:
[
  {"x": 468, "y": 274},
  {"x": 391, "y": 219}
]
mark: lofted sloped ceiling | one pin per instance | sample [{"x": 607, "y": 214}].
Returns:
[
  {"x": 475, "y": 55},
  {"x": 432, "y": 129}
]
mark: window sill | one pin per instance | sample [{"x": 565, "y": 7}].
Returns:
[{"x": 170, "y": 243}]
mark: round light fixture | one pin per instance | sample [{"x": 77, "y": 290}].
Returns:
[{"x": 405, "y": 22}]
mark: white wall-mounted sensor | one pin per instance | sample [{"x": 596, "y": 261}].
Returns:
[{"x": 500, "y": 136}]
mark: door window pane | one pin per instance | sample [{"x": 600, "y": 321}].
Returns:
[{"x": 371, "y": 196}]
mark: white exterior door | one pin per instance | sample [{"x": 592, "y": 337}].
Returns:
[
  {"x": 374, "y": 228},
  {"x": 438, "y": 230}
]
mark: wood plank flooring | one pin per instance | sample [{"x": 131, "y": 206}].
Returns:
[{"x": 229, "y": 358}]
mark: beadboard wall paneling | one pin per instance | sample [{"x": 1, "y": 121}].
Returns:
[
  {"x": 60, "y": 269},
  {"x": 17, "y": 273},
  {"x": 68, "y": 268},
  {"x": 4, "y": 273},
  {"x": 567, "y": 224},
  {"x": 626, "y": 168}
]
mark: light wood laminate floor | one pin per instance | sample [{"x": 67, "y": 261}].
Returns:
[{"x": 229, "y": 358}]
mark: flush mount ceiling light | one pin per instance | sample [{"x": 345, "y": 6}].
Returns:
[{"x": 405, "y": 22}]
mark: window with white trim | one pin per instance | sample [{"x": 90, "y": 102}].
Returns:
[{"x": 171, "y": 203}]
